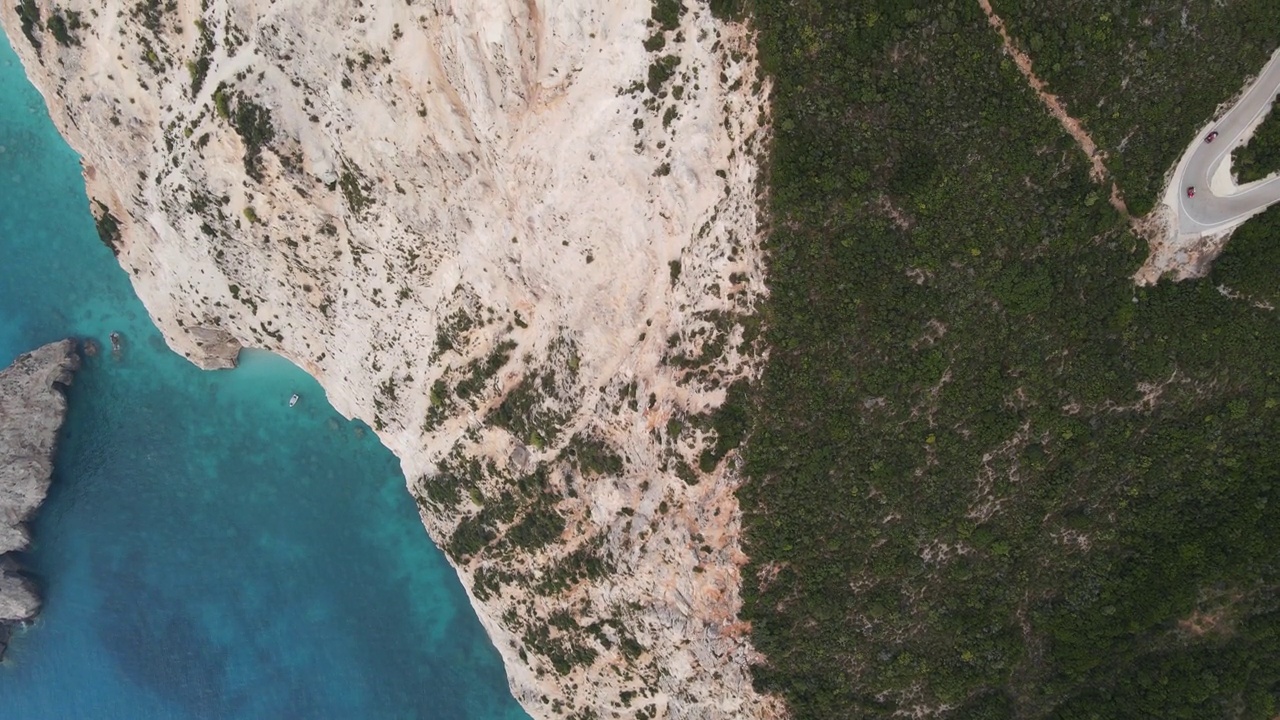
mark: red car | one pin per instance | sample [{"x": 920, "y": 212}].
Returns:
[
  {"x": 1209, "y": 138},
  {"x": 1191, "y": 192}
]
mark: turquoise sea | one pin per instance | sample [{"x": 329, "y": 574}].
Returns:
[{"x": 208, "y": 552}]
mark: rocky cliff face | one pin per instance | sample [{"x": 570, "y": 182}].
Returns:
[
  {"x": 32, "y": 408},
  {"x": 517, "y": 237}
]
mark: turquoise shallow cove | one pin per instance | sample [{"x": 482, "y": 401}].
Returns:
[{"x": 208, "y": 552}]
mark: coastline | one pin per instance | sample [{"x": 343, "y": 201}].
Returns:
[{"x": 701, "y": 221}]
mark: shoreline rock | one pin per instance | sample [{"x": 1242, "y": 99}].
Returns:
[{"x": 33, "y": 407}]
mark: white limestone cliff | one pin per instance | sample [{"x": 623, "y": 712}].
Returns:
[{"x": 517, "y": 237}]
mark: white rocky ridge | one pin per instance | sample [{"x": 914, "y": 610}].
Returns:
[{"x": 519, "y": 238}]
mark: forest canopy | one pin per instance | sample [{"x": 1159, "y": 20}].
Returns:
[
  {"x": 1261, "y": 156},
  {"x": 987, "y": 476}
]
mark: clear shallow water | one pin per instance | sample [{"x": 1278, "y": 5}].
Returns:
[{"x": 208, "y": 552}]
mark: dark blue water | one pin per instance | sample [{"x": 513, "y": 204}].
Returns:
[{"x": 208, "y": 552}]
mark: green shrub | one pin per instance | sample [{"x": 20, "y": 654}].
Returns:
[
  {"x": 352, "y": 191},
  {"x": 540, "y": 526},
  {"x": 252, "y": 122},
  {"x": 1261, "y": 157},
  {"x": 62, "y": 30},
  {"x": 667, "y": 13},
  {"x": 29, "y": 17},
  {"x": 592, "y": 456},
  {"x": 108, "y": 227},
  {"x": 661, "y": 70}
]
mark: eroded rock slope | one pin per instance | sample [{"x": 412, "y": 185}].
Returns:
[{"x": 517, "y": 237}]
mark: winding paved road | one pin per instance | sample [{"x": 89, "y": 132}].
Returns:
[{"x": 1219, "y": 204}]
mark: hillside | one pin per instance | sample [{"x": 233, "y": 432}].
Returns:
[
  {"x": 989, "y": 477},
  {"x": 519, "y": 240}
]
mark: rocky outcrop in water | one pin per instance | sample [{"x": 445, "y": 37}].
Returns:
[{"x": 32, "y": 408}]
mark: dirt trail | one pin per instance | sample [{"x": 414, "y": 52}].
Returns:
[{"x": 1073, "y": 126}]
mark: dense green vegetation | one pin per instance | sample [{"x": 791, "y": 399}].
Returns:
[
  {"x": 251, "y": 121},
  {"x": 730, "y": 423},
  {"x": 63, "y": 29},
  {"x": 592, "y": 456},
  {"x": 538, "y": 523},
  {"x": 198, "y": 68},
  {"x": 354, "y": 189},
  {"x": 108, "y": 226},
  {"x": 666, "y": 13},
  {"x": 987, "y": 473},
  {"x": 29, "y": 18},
  {"x": 1261, "y": 156},
  {"x": 1145, "y": 75},
  {"x": 150, "y": 13}
]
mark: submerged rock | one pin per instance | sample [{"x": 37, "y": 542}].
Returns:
[{"x": 32, "y": 409}]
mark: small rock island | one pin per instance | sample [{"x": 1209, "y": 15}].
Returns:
[{"x": 32, "y": 408}]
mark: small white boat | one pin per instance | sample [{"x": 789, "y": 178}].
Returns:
[{"x": 293, "y": 400}]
